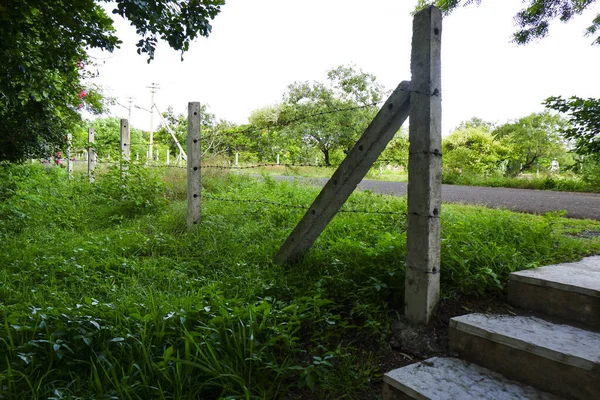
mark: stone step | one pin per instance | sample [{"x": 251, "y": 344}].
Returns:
[
  {"x": 570, "y": 291},
  {"x": 451, "y": 378},
  {"x": 559, "y": 359}
]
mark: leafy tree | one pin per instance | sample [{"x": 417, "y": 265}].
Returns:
[
  {"x": 584, "y": 122},
  {"x": 396, "y": 152},
  {"x": 534, "y": 20},
  {"x": 331, "y": 115},
  {"x": 44, "y": 66},
  {"x": 476, "y": 122},
  {"x": 107, "y": 138},
  {"x": 472, "y": 148},
  {"x": 212, "y": 133},
  {"x": 534, "y": 139}
]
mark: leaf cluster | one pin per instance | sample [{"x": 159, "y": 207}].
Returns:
[
  {"x": 534, "y": 20},
  {"x": 584, "y": 118}
]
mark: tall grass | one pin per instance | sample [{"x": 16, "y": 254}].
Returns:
[{"x": 105, "y": 293}]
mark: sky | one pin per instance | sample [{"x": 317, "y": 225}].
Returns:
[{"x": 258, "y": 47}]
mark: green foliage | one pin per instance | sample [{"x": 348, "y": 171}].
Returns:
[
  {"x": 472, "y": 149},
  {"x": 213, "y": 134},
  {"x": 567, "y": 182},
  {"x": 533, "y": 141},
  {"x": 534, "y": 20},
  {"x": 45, "y": 68},
  {"x": 330, "y": 116},
  {"x": 107, "y": 138},
  {"x": 96, "y": 306},
  {"x": 584, "y": 122},
  {"x": 396, "y": 152}
]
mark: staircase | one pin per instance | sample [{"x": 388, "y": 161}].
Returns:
[{"x": 554, "y": 353}]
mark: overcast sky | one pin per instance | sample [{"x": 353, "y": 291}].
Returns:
[{"x": 258, "y": 47}]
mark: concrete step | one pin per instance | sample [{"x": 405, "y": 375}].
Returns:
[
  {"x": 451, "y": 378},
  {"x": 559, "y": 359},
  {"x": 570, "y": 291}
]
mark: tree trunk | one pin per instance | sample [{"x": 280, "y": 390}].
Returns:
[{"x": 325, "y": 152}]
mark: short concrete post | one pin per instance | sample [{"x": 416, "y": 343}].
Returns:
[
  {"x": 69, "y": 160},
  {"x": 156, "y": 157},
  {"x": 422, "y": 282},
  {"x": 194, "y": 178},
  {"x": 236, "y": 159},
  {"x": 91, "y": 155},
  {"x": 168, "y": 156},
  {"x": 137, "y": 156},
  {"x": 277, "y": 159},
  {"x": 125, "y": 145}
]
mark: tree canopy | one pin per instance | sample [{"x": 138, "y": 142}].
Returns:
[
  {"x": 331, "y": 115},
  {"x": 533, "y": 140},
  {"x": 44, "y": 68},
  {"x": 534, "y": 20},
  {"x": 584, "y": 118}
]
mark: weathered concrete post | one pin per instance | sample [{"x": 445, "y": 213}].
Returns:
[
  {"x": 277, "y": 159},
  {"x": 69, "y": 160},
  {"x": 168, "y": 156},
  {"x": 194, "y": 178},
  {"x": 236, "y": 159},
  {"x": 91, "y": 155},
  {"x": 125, "y": 145},
  {"x": 348, "y": 175},
  {"x": 422, "y": 283}
]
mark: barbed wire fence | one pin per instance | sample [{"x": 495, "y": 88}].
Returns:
[{"x": 116, "y": 155}]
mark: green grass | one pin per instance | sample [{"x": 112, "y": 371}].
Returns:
[{"x": 104, "y": 292}]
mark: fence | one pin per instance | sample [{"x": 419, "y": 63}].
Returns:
[{"x": 421, "y": 99}]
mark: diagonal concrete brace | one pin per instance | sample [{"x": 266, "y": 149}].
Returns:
[{"x": 348, "y": 175}]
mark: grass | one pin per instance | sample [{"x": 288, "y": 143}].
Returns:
[{"x": 104, "y": 292}]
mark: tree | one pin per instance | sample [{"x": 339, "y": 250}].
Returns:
[
  {"x": 330, "y": 116},
  {"x": 212, "y": 133},
  {"x": 45, "y": 67},
  {"x": 534, "y": 20},
  {"x": 584, "y": 122},
  {"x": 472, "y": 148},
  {"x": 533, "y": 140},
  {"x": 107, "y": 137}
]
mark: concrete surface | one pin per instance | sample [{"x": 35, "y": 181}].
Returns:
[
  {"x": 451, "y": 378},
  {"x": 563, "y": 343},
  {"x": 580, "y": 277}
]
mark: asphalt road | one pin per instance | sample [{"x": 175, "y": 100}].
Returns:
[{"x": 577, "y": 205}]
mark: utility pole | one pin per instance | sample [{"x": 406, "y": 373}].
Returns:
[
  {"x": 130, "y": 101},
  {"x": 153, "y": 88}
]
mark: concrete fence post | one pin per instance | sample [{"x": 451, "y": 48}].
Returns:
[
  {"x": 168, "y": 159},
  {"x": 277, "y": 159},
  {"x": 422, "y": 282},
  {"x": 236, "y": 159},
  {"x": 69, "y": 160},
  {"x": 125, "y": 146},
  {"x": 91, "y": 152},
  {"x": 194, "y": 177}
]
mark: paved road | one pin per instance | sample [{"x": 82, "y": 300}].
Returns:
[{"x": 577, "y": 205}]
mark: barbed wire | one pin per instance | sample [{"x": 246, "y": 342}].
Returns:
[
  {"x": 297, "y": 206},
  {"x": 152, "y": 164}
]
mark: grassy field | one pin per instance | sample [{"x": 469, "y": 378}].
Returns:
[{"x": 104, "y": 292}]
